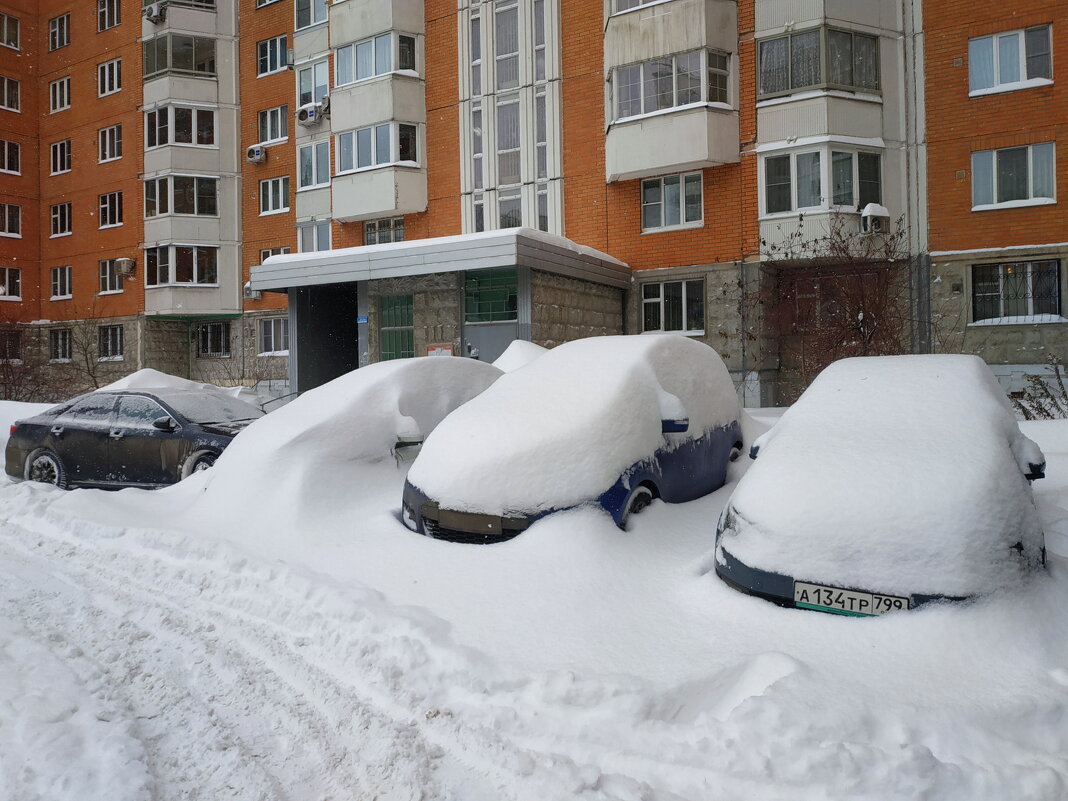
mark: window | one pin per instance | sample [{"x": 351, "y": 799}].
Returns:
[
  {"x": 797, "y": 181},
  {"x": 312, "y": 83},
  {"x": 11, "y": 283},
  {"x": 271, "y": 55},
  {"x": 506, "y": 47},
  {"x": 674, "y": 306},
  {"x": 490, "y": 295},
  {"x": 108, "y": 14},
  {"x": 110, "y": 142},
  {"x": 274, "y": 195},
  {"x": 623, "y": 5},
  {"x": 313, "y": 236},
  {"x": 261, "y": 3},
  {"x": 1017, "y": 176},
  {"x": 396, "y": 333},
  {"x": 1011, "y": 60},
  {"x": 375, "y": 56},
  {"x": 111, "y": 209},
  {"x": 381, "y": 144},
  {"x": 59, "y": 345},
  {"x": 61, "y": 219},
  {"x": 109, "y": 77},
  {"x": 274, "y": 124},
  {"x": 266, "y": 253},
  {"x": 313, "y": 164},
  {"x": 181, "y": 194},
  {"x": 274, "y": 336},
  {"x": 11, "y": 346},
  {"x": 310, "y": 12},
  {"x": 61, "y": 282},
  {"x": 9, "y": 31},
  {"x": 669, "y": 82},
  {"x": 9, "y": 93},
  {"x": 795, "y": 61},
  {"x": 213, "y": 340},
  {"x": 175, "y": 52},
  {"x": 111, "y": 344},
  {"x": 10, "y": 157},
  {"x": 376, "y": 232},
  {"x": 59, "y": 32},
  {"x": 59, "y": 94},
  {"x": 673, "y": 201},
  {"x": 180, "y": 125},
  {"x": 181, "y": 264},
  {"x": 60, "y": 157},
  {"x": 10, "y": 220},
  {"x": 110, "y": 280},
  {"x": 1016, "y": 289}
]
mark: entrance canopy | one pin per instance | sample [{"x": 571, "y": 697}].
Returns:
[{"x": 523, "y": 247}]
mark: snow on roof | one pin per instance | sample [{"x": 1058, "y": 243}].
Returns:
[
  {"x": 519, "y": 353},
  {"x": 895, "y": 474},
  {"x": 562, "y": 429}
]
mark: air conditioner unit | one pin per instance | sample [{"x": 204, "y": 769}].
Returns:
[
  {"x": 250, "y": 293},
  {"x": 155, "y": 12},
  {"x": 290, "y": 57},
  {"x": 125, "y": 266},
  {"x": 257, "y": 154},
  {"x": 874, "y": 219},
  {"x": 309, "y": 115},
  {"x": 325, "y": 105}
]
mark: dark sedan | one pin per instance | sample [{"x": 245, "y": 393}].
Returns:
[{"x": 142, "y": 438}]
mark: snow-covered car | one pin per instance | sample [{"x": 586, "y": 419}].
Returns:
[
  {"x": 613, "y": 421},
  {"x": 136, "y": 438},
  {"x": 893, "y": 481}
]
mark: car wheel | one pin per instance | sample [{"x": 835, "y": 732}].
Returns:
[
  {"x": 736, "y": 451},
  {"x": 201, "y": 460},
  {"x": 46, "y": 467},
  {"x": 640, "y": 497}
]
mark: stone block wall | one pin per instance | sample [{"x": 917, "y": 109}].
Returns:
[
  {"x": 563, "y": 309},
  {"x": 436, "y": 310}
]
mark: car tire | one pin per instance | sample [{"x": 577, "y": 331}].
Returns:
[
  {"x": 736, "y": 451},
  {"x": 640, "y": 497},
  {"x": 46, "y": 467},
  {"x": 198, "y": 461}
]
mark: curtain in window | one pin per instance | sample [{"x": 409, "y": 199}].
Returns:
[
  {"x": 840, "y": 58},
  {"x": 865, "y": 62},
  {"x": 805, "y": 59},
  {"x": 983, "y": 178},
  {"x": 508, "y": 143},
  {"x": 1012, "y": 174},
  {"x": 657, "y": 81},
  {"x": 507, "y": 48},
  {"x": 1009, "y": 58},
  {"x": 774, "y": 71},
  {"x": 808, "y": 180},
  {"x": 980, "y": 64},
  {"x": 365, "y": 64},
  {"x": 1042, "y": 170},
  {"x": 1038, "y": 55},
  {"x": 383, "y": 53},
  {"x": 842, "y": 178}
]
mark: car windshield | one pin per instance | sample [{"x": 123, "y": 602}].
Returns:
[{"x": 204, "y": 407}]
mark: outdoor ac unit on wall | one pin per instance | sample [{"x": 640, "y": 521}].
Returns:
[
  {"x": 155, "y": 12},
  {"x": 874, "y": 219},
  {"x": 257, "y": 154},
  {"x": 125, "y": 266},
  {"x": 250, "y": 293}
]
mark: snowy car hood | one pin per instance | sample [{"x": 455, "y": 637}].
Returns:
[
  {"x": 561, "y": 429},
  {"x": 897, "y": 473}
]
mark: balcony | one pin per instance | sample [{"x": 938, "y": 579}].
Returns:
[
  {"x": 359, "y": 19},
  {"x": 687, "y": 138},
  {"x": 654, "y": 30},
  {"x": 379, "y": 192},
  {"x": 393, "y": 96}
]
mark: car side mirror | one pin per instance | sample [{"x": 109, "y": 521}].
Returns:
[
  {"x": 674, "y": 426},
  {"x": 164, "y": 423}
]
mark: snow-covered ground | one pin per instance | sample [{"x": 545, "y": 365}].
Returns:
[{"x": 170, "y": 645}]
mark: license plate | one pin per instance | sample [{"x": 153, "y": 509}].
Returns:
[
  {"x": 471, "y": 523},
  {"x": 845, "y": 602}
]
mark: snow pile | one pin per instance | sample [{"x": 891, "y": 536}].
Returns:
[
  {"x": 563, "y": 428},
  {"x": 148, "y": 379},
  {"x": 899, "y": 474},
  {"x": 519, "y": 353}
]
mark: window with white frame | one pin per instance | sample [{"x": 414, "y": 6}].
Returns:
[
  {"x": 310, "y": 12},
  {"x": 818, "y": 58},
  {"x": 379, "y": 144},
  {"x": 110, "y": 339},
  {"x": 376, "y": 232},
  {"x": 110, "y": 278},
  {"x": 313, "y": 236},
  {"x": 625, "y": 5},
  {"x": 110, "y": 141},
  {"x": 274, "y": 336},
  {"x": 9, "y": 31},
  {"x": 59, "y": 94},
  {"x": 313, "y": 165},
  {"x": 274, "y": 195},
  {"x": 271, "y": 55},
  {"x": 262, "y": 3},
  {"x": 213, "y": 340},
  {"x": 182, "y": 194},
  {"x": 110, "y": 209},
  {"x": 61, "y": 282},
  {"x": 313, "y": 82},
  {"x": 674, "y": 306},
  {"x": 10, "y": 220},
  {"x": 59, "y": 32},
  {"x": 180, "y": 125},
  {"x": 274, "y": 124},
  {"x": 108, "y": 14},
  {"x": 374, "y": 56},
  {"x": 11, "y": 283},
  {"x": 1013, "y": 176},
  {"x": 179, "y": 53},
  {"x": 1010, "y": 60},
  {"x": 9, "y": 93},
  {"x": 670, "y": 81},
  {"x": 10, "y": 157},
  {"x": 61, "y": 219},
  {"x": 266, "y": 253},
  {"x": 59, "y": 345},
  {"x": 673, "y": 201},
  {"x": 1022, "y": 290},
  {"x": 827, "y": 177},
  {"x": 59, "y": 157},
  {"x": 167, "y": 265},
  {"x": 109, "y": 77}
]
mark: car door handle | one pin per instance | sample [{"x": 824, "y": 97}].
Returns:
[
  {"x": 116, "y": 433},
  {"x": 57, "y": 430}
]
